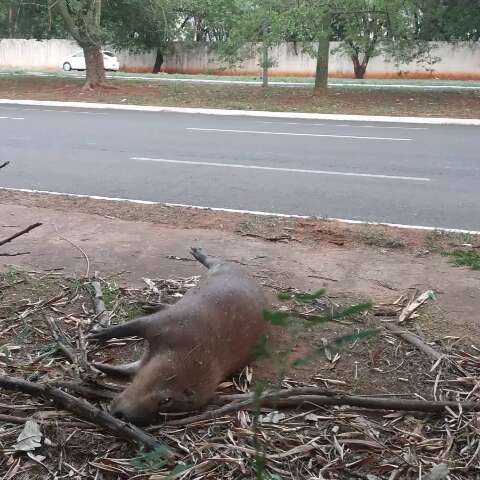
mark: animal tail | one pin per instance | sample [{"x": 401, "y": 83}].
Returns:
[{"x": 203, "y": 258}]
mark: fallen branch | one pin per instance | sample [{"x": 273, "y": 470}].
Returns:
[
  {"x": 14, "y": 254},
  {"x": 61, "y": 341},
  {"x": 18, "y": 234},
  {"x": 84, "y": 410},
  {"x": 21, "y": 420},
  {"x": 407, "y": 312},
  {"x": 4, "y": 165},
  {"x": 102, "y": 314},
  {"x": 415, "y": 341},
  {"x": 308, "y": 397},
  {"x": 88, "y": 391}
]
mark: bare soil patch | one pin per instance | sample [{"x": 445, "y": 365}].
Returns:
[{"x": 345, "y": 101}]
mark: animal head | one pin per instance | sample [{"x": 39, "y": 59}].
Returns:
[{"x": 154, "y": 390}]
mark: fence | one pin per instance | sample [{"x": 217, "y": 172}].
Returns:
[{"x": 460, "y": 61}]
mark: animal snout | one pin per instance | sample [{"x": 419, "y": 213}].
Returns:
[
  {"x": 130, "y": 417},
  {"x": 119, "y": 414},
  {"x": 125, "y": 411}
]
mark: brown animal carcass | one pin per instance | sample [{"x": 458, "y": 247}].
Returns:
[{"x": 194, "y": 344}]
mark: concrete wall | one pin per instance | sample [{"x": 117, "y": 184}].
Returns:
[
  {"x": 31, "y": 54},
  {"x": 460, "y": 62}
]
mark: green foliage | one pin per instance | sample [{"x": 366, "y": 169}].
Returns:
[
  {"x": 302, "y": 297},
  {"x": 155, "y": 460},
  {"x": 27, "y": 19},
  {"x": 261, "y": 350},
  {"x": 368, "y": 28},
  {"x": 465, "y": 258},
  {"x": 440, "y": 237},
  {"x": 340, "y": 315},
  {"x": 336, "y": 345},
  {"x": 140, "y": 26},
  {"x": 279, "y": 319},
  {"x": 448, "y": 20},
  {"x": 291, "y": 318}
]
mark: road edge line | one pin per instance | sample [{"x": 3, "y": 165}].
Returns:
[
  {"x": 246, "y": 212},
  {"x": 247, "y": 113}
]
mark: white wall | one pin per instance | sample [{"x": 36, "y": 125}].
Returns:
[
  {"x": 461, "y": 61},
  {"x": 33, "y": 54}
]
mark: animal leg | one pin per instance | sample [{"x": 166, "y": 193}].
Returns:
[
  {"x": 203, "y": 258},
  {"x": 127, "y": 370},
  {"x": 155, "y": 307},
  {"x": 132, "y": 328}
]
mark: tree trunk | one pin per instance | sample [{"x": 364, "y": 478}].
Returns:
[
  {"x": 12, "y": 21},
  {"x": 158, "y": 61},
  {"x": 323, "y": 54},
  {"x": 95, "y": 68},
  {"x": 359, "y": 68},
  {"x": 321, "y": 75},
  {"x": 265, "y": 64}
]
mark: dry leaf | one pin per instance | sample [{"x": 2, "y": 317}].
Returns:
[{"x": 30, "y": 437}]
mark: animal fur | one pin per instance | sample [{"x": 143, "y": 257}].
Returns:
[{"x": 194, "y": 344}]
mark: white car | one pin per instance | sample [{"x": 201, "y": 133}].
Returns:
[{"x": 77, "y": 62}]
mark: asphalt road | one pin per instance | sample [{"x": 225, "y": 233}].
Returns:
[{"x": 425, "y": 175}]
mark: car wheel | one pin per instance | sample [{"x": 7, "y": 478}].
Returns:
[{"x": 67, "y": 67}]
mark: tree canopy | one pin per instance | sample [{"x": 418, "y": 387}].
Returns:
[{"x": 399, "y": 29}]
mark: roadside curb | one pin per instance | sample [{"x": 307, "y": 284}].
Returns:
[
  {"x": 247, "y": 113},
  {"x": 243, "y": 212}
]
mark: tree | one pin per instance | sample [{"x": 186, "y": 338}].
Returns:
[
  {"x": 82, "y": 20},
  {"x": 448, "y": 20},
  {"x": 25, "y": 19},
  {"x": 305, "y": 21},
  {"x": 368, "y": 28},
  {"x": 142, "y": 26}
]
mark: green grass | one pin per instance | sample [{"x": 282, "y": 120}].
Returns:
[
  {"x": 465, "y": 258},
  {"x": 355, "y": 83},
  {"x": 438, "y": 241},
  {"x": 380, "y": 239}
]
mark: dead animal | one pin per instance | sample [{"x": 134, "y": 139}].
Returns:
[{"x": 194, "y": 344}]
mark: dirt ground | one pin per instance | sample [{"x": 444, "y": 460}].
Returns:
[
  {"x": 127, "y": 243},
  {"x": 136, "y": 241},
  {"x": 343, "y": 101}
]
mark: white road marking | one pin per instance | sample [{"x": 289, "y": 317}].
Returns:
[
  {"x": 248, "y": 113},
  {"x": 249, "y": 212},
  {"x": 279, "y": 169},
  {"x": 12, "y": 118},
  {"x": 343, "y": 125},
  {"x": 55, "y": 110},
  {"x": 258, "y": 132}
]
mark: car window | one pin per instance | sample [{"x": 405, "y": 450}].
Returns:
[{"x": 79, "y": 54}]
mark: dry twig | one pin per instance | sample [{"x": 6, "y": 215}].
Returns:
[
  {"x": 308, "y": 397},
  {"x": 416, "y": 341},
  {"x": 82, "y": 409},
  {"x": 102, "y": 314},
  {"x": 19, "y": 234}
]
